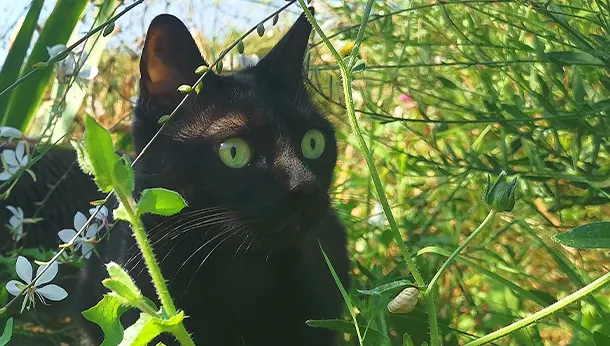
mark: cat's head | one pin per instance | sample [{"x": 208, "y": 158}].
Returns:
[{"x": 250, "y": 142}]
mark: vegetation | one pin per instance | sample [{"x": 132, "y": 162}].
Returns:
[{"x": 474, "y": 142}]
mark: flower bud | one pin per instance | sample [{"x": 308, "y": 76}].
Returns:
[
  {"x": 501, "y": 195},
  {"x": 405, "y": 301}
]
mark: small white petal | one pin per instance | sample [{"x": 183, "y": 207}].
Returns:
[
  {"x": 9, "y": 132},
  {"x": 87, "y": 249},
  {"x": 10, "y": 158},
  {"x": 12, "y": 209},
  {"x": 52, "y": 292},
  {"x": 5, "y": 176},
  {"x": 79, "y": 221},
  {"x": 47, "y": 275},
  {"x": 92, "y": 231},
  {"x": 12, "y": 288},
  {"x": 24, "y": 269},
  {"x": 55, "y": 50},
  {"x": 103, "y": 213},
  {"x": 19, "y": 151},
  {"x": 15, "y": 222},
  {"x": 19, "y": 233},
  {"x": 24, "y": 160},
  {"x": 66, "y": 234},
  {"x": 88, "y": 73}
]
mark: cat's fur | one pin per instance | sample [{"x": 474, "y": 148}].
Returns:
[{"x": 243, "y": 260}]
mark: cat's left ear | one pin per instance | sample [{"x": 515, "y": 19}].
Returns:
[
  {"x": 169, "y": 58},
  {"x": 285, "y": 60}
]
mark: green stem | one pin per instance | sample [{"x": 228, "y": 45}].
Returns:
[
  {"x": 147, "y": 253},
  {"x": 574, "y": 297},
  {"x": 182, "y": 335},
  {"x": 349, "y": 103},
  {"x": 457, "y": 251}
]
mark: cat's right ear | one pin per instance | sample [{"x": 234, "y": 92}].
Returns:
[{"x": 169, "y": 59}]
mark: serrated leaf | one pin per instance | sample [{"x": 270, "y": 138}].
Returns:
[
  {"x": 372, "y": 338},
  {"x": 574, "y": 58},
  {"x": 161, "y": 202},
  {"x": 101, "y": 154},
  {"x": 82, "y": 157},
  {"x": 387, "y": 287},
  {"x": 7, "y": 334},
  {"x": 147, "y": 328},
  {"x": 107, "y": 314},
  {"x": 595, "y": 235}
]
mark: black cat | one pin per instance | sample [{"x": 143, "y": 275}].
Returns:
[{"x": 254, "y": 159}]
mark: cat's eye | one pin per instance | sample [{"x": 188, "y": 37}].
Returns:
[
  {"x": 235, "y": 152},
  {"x": 313, "y": 144}
]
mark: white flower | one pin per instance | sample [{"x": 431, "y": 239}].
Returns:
[
  {"x": 83, "y": 241},
  {"x": 15, "y": 160},
  {"x": 24, "y": 271},
  {"x": 73, "y": 62},
  {"x": 378, "y": 218},
  {"x": 9, "y": 132},
  {"x": 102, "y": 215},
  {"x": 247, "y": 60},
  {"x": 16, "y": 221}
]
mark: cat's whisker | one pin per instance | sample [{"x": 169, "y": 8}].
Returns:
[
  {"x": 240, "y": 245},
  {"x": 205, "y": 259}
]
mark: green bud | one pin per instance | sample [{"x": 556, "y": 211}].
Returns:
[
  {"x": 501, "y": 195},
  {"x": 260, "y": 29},
  {"x": 201, "y": 69},
  {"x": 275, "y": 19},
  {"x": 108, "y": 29},
  {"x": 185, "y": 89},
  {"x": 40, "y": 65},
  {"x": 219, "y": 66},
  {"x": 163, "y": 119},
  {"x": 240, "y": 47}
]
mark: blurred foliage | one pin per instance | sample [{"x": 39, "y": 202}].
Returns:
[{"x": 452, "y": 92}]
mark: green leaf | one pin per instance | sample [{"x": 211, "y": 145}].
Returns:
[
  {"x": 373, "y": 337},
  {"x": 28, "y": 95},
  {"x": 120, "y": 213},
  {"x": 148, "y": 327},
  {"x": 574, "y": 58},
  {"x": 387, "y": 287},
  {"x": 600, "y": 338},
  {"x": 123, "y": 176},
  {"x": 100, "y": 153},
  {"x": 122, "y": 284},
  {"x": 595, "y": 235},
  {"x": 8, "y": 332},
  {"x": 107, "y": 314},
  {"x": 161, "y": 202},
  {"x": 16, "y": 55},
  {"x": 82, "y": 157}
]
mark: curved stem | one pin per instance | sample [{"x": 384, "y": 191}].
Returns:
[
  {"x": 457, "y": 251},
  {"x": 149, "y": 256},
  {"x": 347, "y": 92},
  {"x": 576, "y": 296}
]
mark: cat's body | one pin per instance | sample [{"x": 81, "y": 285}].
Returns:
[{"x": 254, "y": 160}]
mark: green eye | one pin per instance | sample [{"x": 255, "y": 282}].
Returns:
[
  {"x": 235, "y": 152},
  {"x": 313, "y": 144}
]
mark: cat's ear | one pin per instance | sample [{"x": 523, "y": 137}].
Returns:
[
  {"x": 169, "y": 58},
  {"x": 285, "y": 60}
]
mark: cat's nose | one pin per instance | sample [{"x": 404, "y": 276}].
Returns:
[{"x": 303, "y": 181}]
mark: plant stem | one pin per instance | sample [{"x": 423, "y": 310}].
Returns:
[
  {"x": 182, "y": 335},
  {"x": 457, "y": 251},
  {"x": 147, "y": 253},
  {"x": 581, "y": 293},
  {"x": 347, "y": 93}
]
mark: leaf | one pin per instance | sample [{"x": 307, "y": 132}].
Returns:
[
  {"x": 600, "y": 338},
  {"x": 28, "y": 95},
  {"x": 161, "y": 202},
  {"x": 100, "y": 154},
  {"x": 120, "y": 213},
  {"x": 123, "y": 176},
  {"x": 574, "y": 58},
  {"x": 387, "y": 287},
  {"x": 595, "y": 235},
  {"x": 8, "y": 332},
  {"x": 107, "y": 314},
  {"x": 163, "y": 119},
  {"x": 148, "y": 327},
  {"x": 373, "y": 337},
  {"x": 16, "y": 55},
  {"x": 122, "y": 284},
  {"x": 81, "y": 156}
]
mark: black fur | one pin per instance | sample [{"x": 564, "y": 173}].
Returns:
[{"x": 243, "y": 260}]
